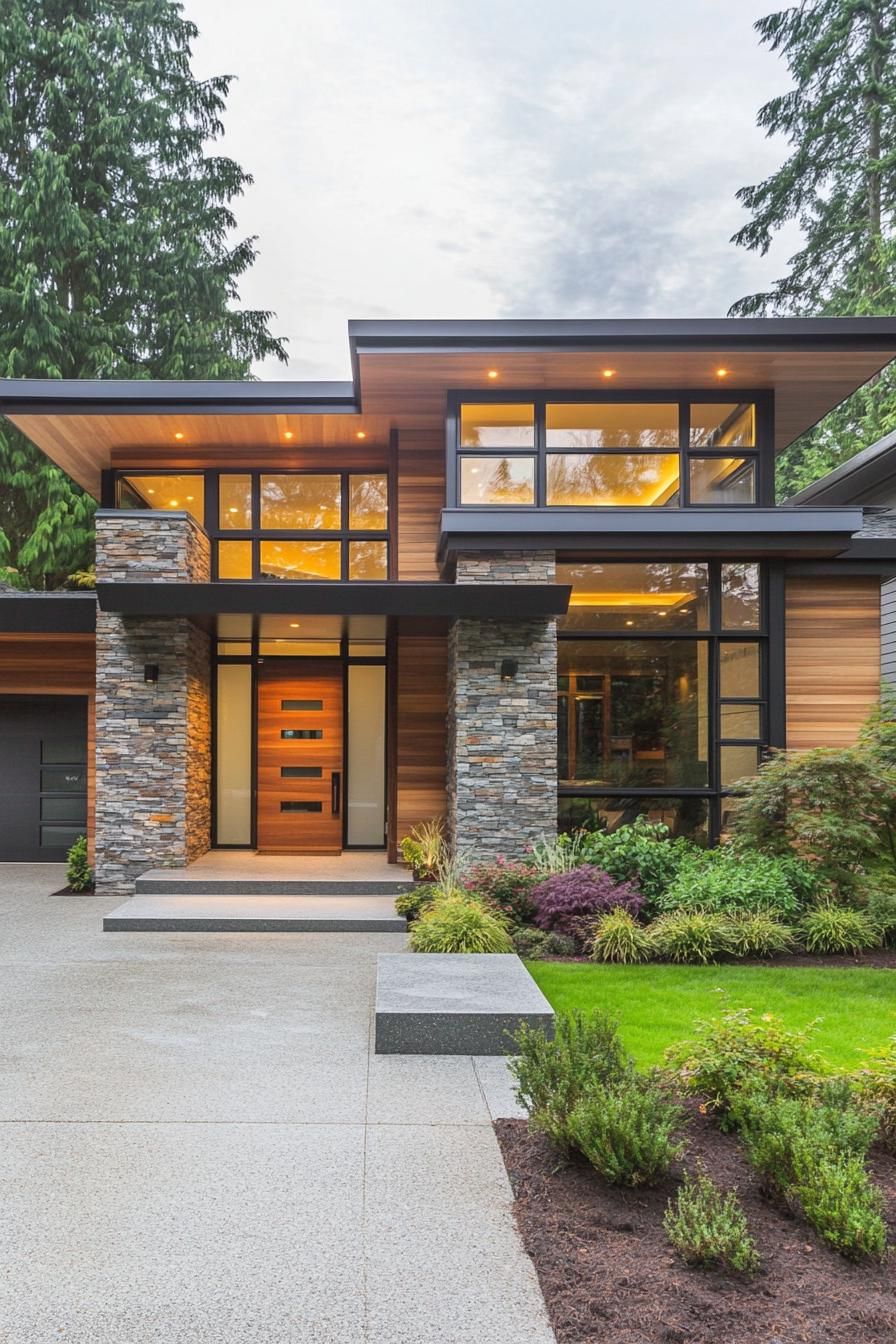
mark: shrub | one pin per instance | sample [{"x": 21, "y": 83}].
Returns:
[
  {"x": 812, "y": 1150},
  {"x": 641, "y": 853},
  {"x": 729, "y": 881},
  {"x": 564, "y": 900},
  {"x": 506, "y": 886},
  {"x": 423, "y": 848},
  {"x": 709, "y": 1228},
  {"x": 410, "y": 904},
  {"x": 529, "y": 943},
  {"x": 836, "y": 928},
  {"x": 618, "y": 937},
  {"x": 830, "y": 807},
  {"x": 734, "y": 1049},
  {"x": 554, "y": 1074},
  {"x": 560, "y": 945},
  {"x": 558, "y": 854},
  {"x": 875, "y": 1091},
  {"x": 625, "y": 1130},
  {"x": 453, "y": 924},
  {"x": 881, "y": 911},
  {"x": 758, "y": 935},
  {"x": 79, "y": 873},
  {"x": 689, "y": 936}
]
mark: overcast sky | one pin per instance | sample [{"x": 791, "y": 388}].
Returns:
[{"x": 482, "y": 158}]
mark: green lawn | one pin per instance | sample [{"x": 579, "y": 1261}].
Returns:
[{"x": 656, "y": 1005}]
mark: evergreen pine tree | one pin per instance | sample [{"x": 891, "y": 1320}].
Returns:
[
  {"x": 116, "y": 252},
  {"x": 839, "y": 186}
]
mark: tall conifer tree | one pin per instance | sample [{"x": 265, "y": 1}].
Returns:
[
  {"x": 839, "y": 186},
  {"x": 117, "y": 257}
]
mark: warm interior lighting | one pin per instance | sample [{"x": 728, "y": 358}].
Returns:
[
  {"x": 361, "y": 434},
  {"x": 664, "y": 600},
  {"x": 233, "y": 509},
  {"x": 189, "y": 499},
  {"x": 294, "y": 625},
  {"x": 150, "y": 491},
  {"x": 172, "y": 503},
  {"x": 493, "y": 373},
  {"x": 609, "y": 373},
  {"x": 178, "y": 434},
  {"x": 721, "y": 373},
  {"x": 287, "y": 433}
]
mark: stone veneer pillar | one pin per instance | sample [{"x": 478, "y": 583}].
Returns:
[
  {"x": 153, "y": 740},
  {"x": 502, "y": 736}
]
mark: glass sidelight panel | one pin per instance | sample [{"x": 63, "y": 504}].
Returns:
[
  {"x": 366, "y": 755},
  {"x": 368, "y": 503},
  {"x": 233, "y": 778}
]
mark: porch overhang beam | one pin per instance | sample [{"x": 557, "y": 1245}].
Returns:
[
  {"x": 496, "y": 601},
  {"x": 61, "y": 613}
]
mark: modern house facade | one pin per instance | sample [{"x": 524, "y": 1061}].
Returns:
[{"x": 516, "y": 574}]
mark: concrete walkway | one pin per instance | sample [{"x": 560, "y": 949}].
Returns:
[{"x": 196, "y": 1145}]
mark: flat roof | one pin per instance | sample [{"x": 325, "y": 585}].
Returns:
[{"x": 402, "y": 372}]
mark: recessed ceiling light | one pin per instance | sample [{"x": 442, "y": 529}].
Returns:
[
  {"x": 287, "y": 433},
  {"x": 361, "y": 434},
  {"x": 150, "y": 491},
  {"x": 233, "y": 509},
  {"x": 190, "y": 499},
  {"x": 172, "y": 503},
  {"x": 629, "y": 622},
  {"x": 493, "y": 373},
  {"x": 178, "y": 434},
  {"x": 721, "y": 373},
  {"x": 662, "y": 613},
  {"x": 293, "y": 625},
  {"x": 608, "y": 373}
]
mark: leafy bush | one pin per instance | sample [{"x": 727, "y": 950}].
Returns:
[
  {"x": 812, "y": 1150},
  {"x": 875, "y": 1091},
  {"x": 455, "y": 924},
  {"x": 506, "y": 886},
  {"x": 558, "y": 854},
  {"x": 625, "y": 1130},
  {"x": 79, "y": 873},
  {"x": 709, "y": 1228},
  {"x": 618, "y": 937},
  {"x": 734, "y": 1049},
  {"x": 728, "y": 881},
  {"x": 412, "y": 903},
  {"x": 424, "y": 847},
  {"x": 554, "y": 1074},
  {"x": 641, "y": 853},
  {"x": 560, "y": 945},
  {"x": 836, "y": 928},
  {"x": 564, "y": 900},
  {"x": 881, "y": 911},
  {"x": 692, "y": 936},
  {"x": 758, "y": 935},
  {"x": 529, "y": 943},
  {"x": 832, "y": 808}
]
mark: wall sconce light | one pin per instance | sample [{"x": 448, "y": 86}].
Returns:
[
  {"x": 150, "y": 673},
  {"x": 509, "y": 669}
]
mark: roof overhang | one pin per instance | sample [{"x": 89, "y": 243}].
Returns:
[
  {"x": 402, "y": 372},
  {"x": 62, "y": 613},
  {"x": 869, "y": 477},
  {"x": 755, "y": 532},
  {"x": 486, "y": 600}
]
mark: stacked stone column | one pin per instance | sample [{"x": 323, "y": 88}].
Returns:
[
  {"x": 502, "y": 735},
  {"x": 153, "y": 739}
]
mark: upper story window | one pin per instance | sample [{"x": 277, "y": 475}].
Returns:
[
  {"x": 609, "y": 453},
  {"x": 284, "y": 525}
]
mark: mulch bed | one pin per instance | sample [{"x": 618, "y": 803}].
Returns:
[
  {"x": 883, "y": 959},
  {"x": 609, "y": 1276}
]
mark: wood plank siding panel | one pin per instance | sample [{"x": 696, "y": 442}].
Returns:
[
  {"x": 421, "y": 498},
  {"x": 421, "y": 737},
  {"x": 833, "y": 658}
]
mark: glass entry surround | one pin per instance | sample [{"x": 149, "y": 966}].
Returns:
[{"x": 300, "y": 757}]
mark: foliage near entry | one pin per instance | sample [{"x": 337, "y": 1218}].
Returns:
[
  {"x": 834, "y": 928},
  {"x": 456, "y": 924},
  {"x": 563, "y": 901},
  {"x": 424, "y": 848},
  {"x": 79, "y": 873}
]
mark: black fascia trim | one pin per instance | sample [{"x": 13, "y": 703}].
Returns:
[
  {"x": 485, "y": 600},
  {"x": 869, "y": 548},
  {"x": 144, "y": 396},
  {"x": 845, "y": 568},
  {"x": 48, "y": 613}
]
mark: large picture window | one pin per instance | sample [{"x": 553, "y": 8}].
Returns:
[
  {"x": 661, "y": 690},
  {"x": 606, "y": 453}
]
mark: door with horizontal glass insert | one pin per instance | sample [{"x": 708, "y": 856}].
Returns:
[{"x": 300, "y": 769}]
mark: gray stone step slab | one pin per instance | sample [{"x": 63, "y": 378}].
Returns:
[
  {"x": 255, "y": 914},
  {"x": 180, "y": 885},
  {"x": 454, "y": 1003}
]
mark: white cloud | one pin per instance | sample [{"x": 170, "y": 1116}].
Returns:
[{"x": 463, "y": 159}]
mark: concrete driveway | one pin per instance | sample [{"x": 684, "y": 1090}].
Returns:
[{"x": 198, "y": 1145}]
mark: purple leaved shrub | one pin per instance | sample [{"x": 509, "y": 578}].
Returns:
[{"x": 570, "y": 902}]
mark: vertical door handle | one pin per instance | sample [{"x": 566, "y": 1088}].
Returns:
[{"x": 337, "y": 792}]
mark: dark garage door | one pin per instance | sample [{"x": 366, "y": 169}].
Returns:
[{"x": 43, "y": 776}]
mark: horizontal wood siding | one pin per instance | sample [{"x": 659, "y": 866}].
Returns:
[
  {"x": 421, "y": 498},
  {"x": 420, "y": 739},
  {"x": 888, "y": 632},
  {"x": 833, "y": 658}
]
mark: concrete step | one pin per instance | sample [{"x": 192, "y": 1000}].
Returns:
[
  {"x": 198, "y": 913},
  {"x": 177, "y": 882}
]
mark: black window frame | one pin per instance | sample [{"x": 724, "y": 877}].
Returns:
[{"x": 761, "y": 454}]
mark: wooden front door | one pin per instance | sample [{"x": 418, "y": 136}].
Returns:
[{"x": 300, "y": 774}]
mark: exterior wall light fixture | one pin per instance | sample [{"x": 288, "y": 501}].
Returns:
[
  {"x": 509, "y": 669},
  {"x": 150, "y": 673}
]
